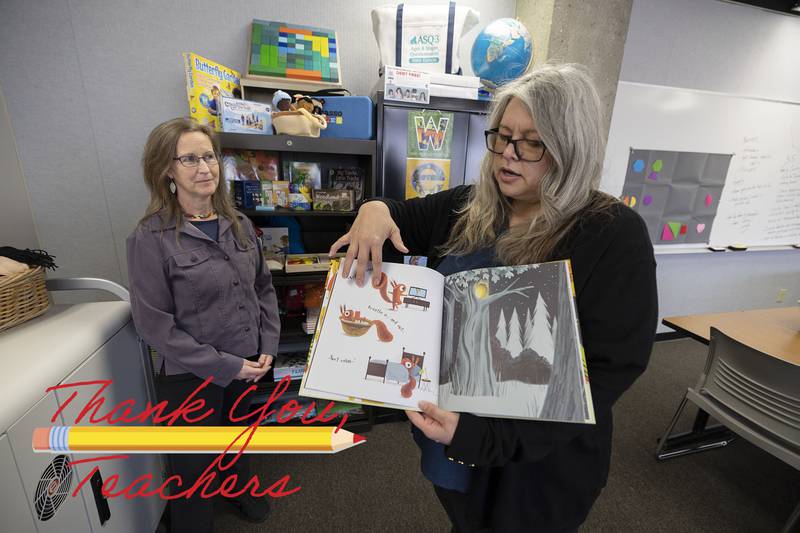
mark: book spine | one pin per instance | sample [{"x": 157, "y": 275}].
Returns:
[{"x": 187, "y": 68}]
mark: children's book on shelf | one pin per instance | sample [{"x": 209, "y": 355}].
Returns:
[
  {"x": 206, "y": 83},
  {"x": 280, "y": 193},
  {"x": 501, "y": 342},
  {"x": 291, "y": 364},
  {"x": 303, "y": 178},
  {"x": 334, "y": 200},
  {"x": 350, "y": 178},
  {"x": 308, "y": 262},
  {"x": 267, "y": 200},
  {"x": 246, "y": 194},
  {"x": 245, "y": 116},
  {"x": 274, "y": 241},
  {"x": 248, "y": 165}
]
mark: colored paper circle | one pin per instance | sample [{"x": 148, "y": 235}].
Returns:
[
  {"x": 647, "y": 200},
  {"x": 658, "y": 165},
  {"x": 638, "y": 165},
  {"x": 701, "y": 228},
  {"x": 653, "y": 176},
  {"x": 709, "y": 200}
]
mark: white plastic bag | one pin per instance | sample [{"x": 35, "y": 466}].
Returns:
[{"x": 422, "y": 37}]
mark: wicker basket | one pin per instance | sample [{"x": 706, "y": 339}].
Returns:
[{"x": 22, "y": 297}]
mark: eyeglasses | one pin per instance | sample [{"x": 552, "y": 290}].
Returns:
[
  {"x": 191, "y": 160},
  {"x": 526, "y": 149}
]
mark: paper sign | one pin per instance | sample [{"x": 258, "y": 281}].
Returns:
[{"x": 406, "y": 85}]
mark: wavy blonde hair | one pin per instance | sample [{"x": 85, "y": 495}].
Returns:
[
  {"x": 157, "y": 160},
  {"x": 566, "y": 108}
]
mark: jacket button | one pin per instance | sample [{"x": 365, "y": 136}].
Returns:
[
  {"x": 227, "y": 258},
  {"x": 194, "y": 258},
  {"x": 235, "y": 283},
  {"x": 247, "y": 328},
  {"x": 241, "y": 307}
]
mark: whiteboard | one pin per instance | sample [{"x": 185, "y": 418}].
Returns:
[{"x": 760, "y": 200}]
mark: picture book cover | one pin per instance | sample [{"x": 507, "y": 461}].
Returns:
[
  {"x": 350, "y": 178},
  {"x": 304, "y": 178},
  {"x": 249, "y": 165},
  {"x": 501, "y": 342},
  {"x": 274, "y": 241},
  {"x": 206, "y": 83},
  {"x": 245, "y": 116}
]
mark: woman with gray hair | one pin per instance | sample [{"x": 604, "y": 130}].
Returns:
[{"x": 537, "y": 200}]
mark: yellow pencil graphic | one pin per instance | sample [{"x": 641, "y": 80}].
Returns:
[{"x": 192, "y": 439}]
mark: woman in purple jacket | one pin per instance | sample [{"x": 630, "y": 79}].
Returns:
[{"x": 201, "y": 296}]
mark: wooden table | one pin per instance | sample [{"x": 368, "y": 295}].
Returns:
[{"x": 772, "y": 331}]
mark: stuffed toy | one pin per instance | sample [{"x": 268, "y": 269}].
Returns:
[{"x": 304, "y": 117}]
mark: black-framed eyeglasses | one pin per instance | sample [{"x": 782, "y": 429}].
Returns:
[
  {"x": 191, "y": 160},
  {"x": 526, "y": 149}
]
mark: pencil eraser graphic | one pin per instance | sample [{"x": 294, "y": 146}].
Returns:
[{"x": 41, "y": 439}]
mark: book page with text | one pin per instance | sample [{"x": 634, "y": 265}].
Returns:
[{"x": 378, "y": 345}]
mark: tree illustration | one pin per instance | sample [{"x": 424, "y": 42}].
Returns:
[
  {"x": 471, "y": 372},
  {"x": 514, "y": 335},
  {"x": 527, "y": 335},
  {"x": 542, "y": 338},
  {"x": 502, "y": 334}
]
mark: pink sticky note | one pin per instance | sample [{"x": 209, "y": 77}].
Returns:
[
  {"x": 666, "y": 234},
  {"x": 709, "y": 200}
]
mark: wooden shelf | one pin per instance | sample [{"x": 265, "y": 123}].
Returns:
[
  {"x": 292, "y": 143},
  {"x": 281, "y": 278}
]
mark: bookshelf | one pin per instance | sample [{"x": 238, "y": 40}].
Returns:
[{"x": 319, "y": 230}]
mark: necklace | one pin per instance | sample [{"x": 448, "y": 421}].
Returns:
[{"x": 202, "y": 216}]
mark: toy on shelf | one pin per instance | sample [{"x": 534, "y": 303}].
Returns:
[{"x": 304, "y": 117}]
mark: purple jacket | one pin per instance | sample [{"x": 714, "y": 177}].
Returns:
[{"x": 203, "y": 305}]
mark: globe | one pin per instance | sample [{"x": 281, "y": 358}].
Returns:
[{"x": 501, "y": 52}]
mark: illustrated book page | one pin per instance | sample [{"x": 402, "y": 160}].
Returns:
[
  {"x": 378, "y": 345},
  {"x": 512, "y": 347}
]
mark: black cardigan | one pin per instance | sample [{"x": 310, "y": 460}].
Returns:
[{"x": 545, "y": 476}]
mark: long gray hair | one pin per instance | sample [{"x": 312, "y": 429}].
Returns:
[{"x": 566, "y": 108}]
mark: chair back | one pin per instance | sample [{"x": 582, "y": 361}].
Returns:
[{"x": 760, "y": 388}]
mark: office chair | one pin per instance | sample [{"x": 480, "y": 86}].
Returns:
[{"x": 753, "y": 394}]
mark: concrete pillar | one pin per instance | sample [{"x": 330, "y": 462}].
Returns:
[{"x": 590, "y": 32}]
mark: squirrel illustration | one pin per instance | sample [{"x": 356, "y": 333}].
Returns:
[
  {"x": 354, "y": 318},
  {"x": 409, "y": 361},
  {"x": 398, "y": 291}
]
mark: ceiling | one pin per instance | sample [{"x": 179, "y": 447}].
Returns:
[{"x": 782, "y": 6}]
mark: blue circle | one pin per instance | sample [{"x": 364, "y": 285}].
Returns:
[{"x": 638, "y": 165}]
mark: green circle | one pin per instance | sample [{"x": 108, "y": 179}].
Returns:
[{"x": 658, "y": 165}]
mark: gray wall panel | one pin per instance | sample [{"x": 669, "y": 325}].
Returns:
[
  {"x": 41, "y": 78},
  {"x": 715, "y": 46}
]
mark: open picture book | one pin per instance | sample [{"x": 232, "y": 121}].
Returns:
[{"x": 501, "y": 342}]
